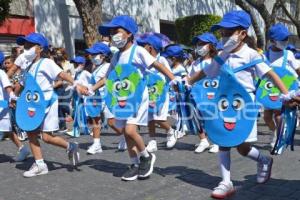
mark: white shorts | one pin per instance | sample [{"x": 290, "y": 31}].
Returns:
[
  {"x": 51, "y": 121},
  {"x": 5, "y": 125},
  {"x": 162, "y": 115},
  {"x": 141, "y": 117},
  {"x": 107, "y": 113}
]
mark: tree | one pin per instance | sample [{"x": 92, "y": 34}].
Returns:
[
  {"x": 4, "y": 10},
  {"x": 90, "y": 12}
]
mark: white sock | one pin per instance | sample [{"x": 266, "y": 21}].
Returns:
[
  {"x": 97, "y": 141},
  {"x": 170, "y": 131},
  {"x": 253, "y": 154},
  {"x": 40, "y": 162},
  {"x": 21, "y": 147},
  {"x": 135, "y": 161},
  {"x": 144, "y": 153},
  {"x": 204, "y": 140},
  {"x": 224, "y": 161}
]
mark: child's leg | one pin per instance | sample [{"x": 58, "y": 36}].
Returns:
[
  {"x": 151, "y": 128},
  {"x": 268, "y": 117},
  {"x": 14, "y": 138},
  {"x": 111, "y": 123},
  {"x": 54, "y": 140},
  {"x": 264, "y": 163},
  {"x": 23, "y": 151},
  {"x": 131, "y": 132},
  {"x": 35, "y": 145},
  {"x": 96, "y": 147},
  {"x": 224, "y": 162}
]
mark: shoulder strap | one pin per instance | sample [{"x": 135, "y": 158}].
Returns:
[
  {"x": 219, "y": 60},
  {"x": 37, "y": 68},
  {"x": 3, "y": 104},
  {"x": 284, "y": 61},
  {"x": 248, "y": 65},
  {"x": 131, "y": 54}
]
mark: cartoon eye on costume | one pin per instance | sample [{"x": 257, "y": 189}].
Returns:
[
  {"x": 215, "y": 84},
  {"x": 206, "y": 84},
  {"x": 117, "y": 86},
  {"x": 269, "y": 85},
  {"x": 28, "y": 97},
  {"x": 126, "y": 84},
  {"x": 223, "y": 104},
  {"x": 36, "y": 97},
  {"x": 238, "y": 103},
  {"x": 153, "y": 90}
]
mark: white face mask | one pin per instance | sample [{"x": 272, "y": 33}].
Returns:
[
  {"x": 230, "y": 43},
  {"x": 97, "y": 60},
  {"x": 118, "y": 41},
  {"x": 202, "y": 50},
  {"x": 105, "y": 42},
  {"x": 30, "y": 54},
  {"x": 281, "y": 44},
  {"x": 79, "y": 68}
]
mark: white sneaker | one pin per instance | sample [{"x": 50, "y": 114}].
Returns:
[
  {"x": 203, "y": 145},
  {"x": 94, "y": 148},
  {"x": 36, "y": 170},
  {"x": 264, "y": 169},
  {"x": 122, "y": 146},
  {"x": 213, "y": 148},
  {"x": 172, "y": 138},
  {"x": 152, "y": 146},
  {"x": 22, "y": 154},
  {"x": 181, "y": 134},
  {"x": 223, "y": 190}
]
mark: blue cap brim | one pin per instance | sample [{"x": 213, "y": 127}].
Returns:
[
  {"x": 91, "y": 51},
  {"x": 164, "y": 54},
  {"x": 223, "y": 25},
  {"x": 105, "y": 29},
  {"x": 21, "y": 40}
]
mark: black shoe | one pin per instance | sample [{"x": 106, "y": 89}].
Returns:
[
  {"x": 131, "y": 174},
  {"x": 146, "y": 166}
]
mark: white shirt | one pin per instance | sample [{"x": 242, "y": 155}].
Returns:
[
  {"x": 84, "y": 77},
  {"x": 161, "y": 60},
  {"x": 179, "y": 71},
  {"x": 142, "y": 59},
  {"x": 198, "y": 65},
  {"x": 4, "y": 83},
  {"x": 276, "y": 59},
  {"x": 46, "y": 75},
  {"x": 237, "y": 59},
  {"x": 100, "y": 73}
]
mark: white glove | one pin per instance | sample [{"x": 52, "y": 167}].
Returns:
[
  {"x": 186, "y": 83},
  {"x": 12, "y": 96},
  {"x": 91, "y": 91},
  {"x": 288, "y": 96},
  {"x": 175, "y": 81}
]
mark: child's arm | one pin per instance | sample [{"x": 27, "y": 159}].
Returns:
[
  {"x": 277, "y": 81},
  {"x": 80, "y": 88},
  {"x": 164, "y": 70},
  {"x": 196, "y": 77}
]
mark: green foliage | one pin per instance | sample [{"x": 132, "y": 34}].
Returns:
[
  {"x": 188, "y": 27},
  {"x": 4, "y": 9}
]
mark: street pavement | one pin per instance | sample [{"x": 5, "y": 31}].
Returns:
[{"x": 179, "y": 174}]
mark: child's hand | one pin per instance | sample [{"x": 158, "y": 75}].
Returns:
[
  {"x": 82, "y": 89},
  {"x": 175, "y": 81}
]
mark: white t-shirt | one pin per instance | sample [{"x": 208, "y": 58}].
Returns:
[
  {"x": 84, "y": 77},
  {"x": 276, "y": 59},
  {"x": 245, "y": 77},
  {"x": 4, "y": 83},
  {"x": 142, "y": 59},
  {"x": 198, "y": 65},
  {"x": 46, "y": 75},
  {"x": 179, "y": 71},
  {"x": 163, "y": 61},
  {"x": 100, "y": 73}
]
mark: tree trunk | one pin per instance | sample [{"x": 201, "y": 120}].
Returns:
[
  {"x": 260, "y": 36},
  {"x": 90, "y": 12},
  {"x": 294, "y": 19}
]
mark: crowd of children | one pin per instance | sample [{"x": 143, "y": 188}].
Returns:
[{"x": 112, "y": 83}]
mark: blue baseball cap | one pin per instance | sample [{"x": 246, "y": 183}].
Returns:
[
  {"x": 233, "y": 19},
  {"x": 173, "y": 51},
  {"x": 2, "y": 58},
  {"x": 206, "y": 37},
  {"x": 219, "y": 46},
  {"x": 278, "y": 32},
  {"x": 78, "y": 60},
  {"x": 297, "y": 55},
  {"x": 152, "y": 40},
  {"x": 123, "y": 21},
  {"x": 35, "y": 38},
  {"x": 99, "y": 48}
]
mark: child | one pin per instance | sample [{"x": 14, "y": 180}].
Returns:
[
  {"x": 82, "y": 76},
  {"x": 153, "y": 45},
  {"x": 175, "y": 56},
  {"x": 45, "y": 72},
  {"x": 233, "y": 28},
  {"x": 101, "y": 53},
  {"x": 122, "y": 28},
  {"x": 278, "y": 35},
  {"x": 6, "y": 96},
  {"x": 205, "y": 49}
]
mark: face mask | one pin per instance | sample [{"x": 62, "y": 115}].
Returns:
[
  {"x": 202, "y": 50},
  {"x": 230, "y": 43},
  {"x": 105, "y": 42},
  {"x": 281, "y": 44},
  {"x": 30, "y": 54},
  {"x": 79, "y": 68},
  {"x": 118, "y": 41},
  {"x": 97, "y": 60}
]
